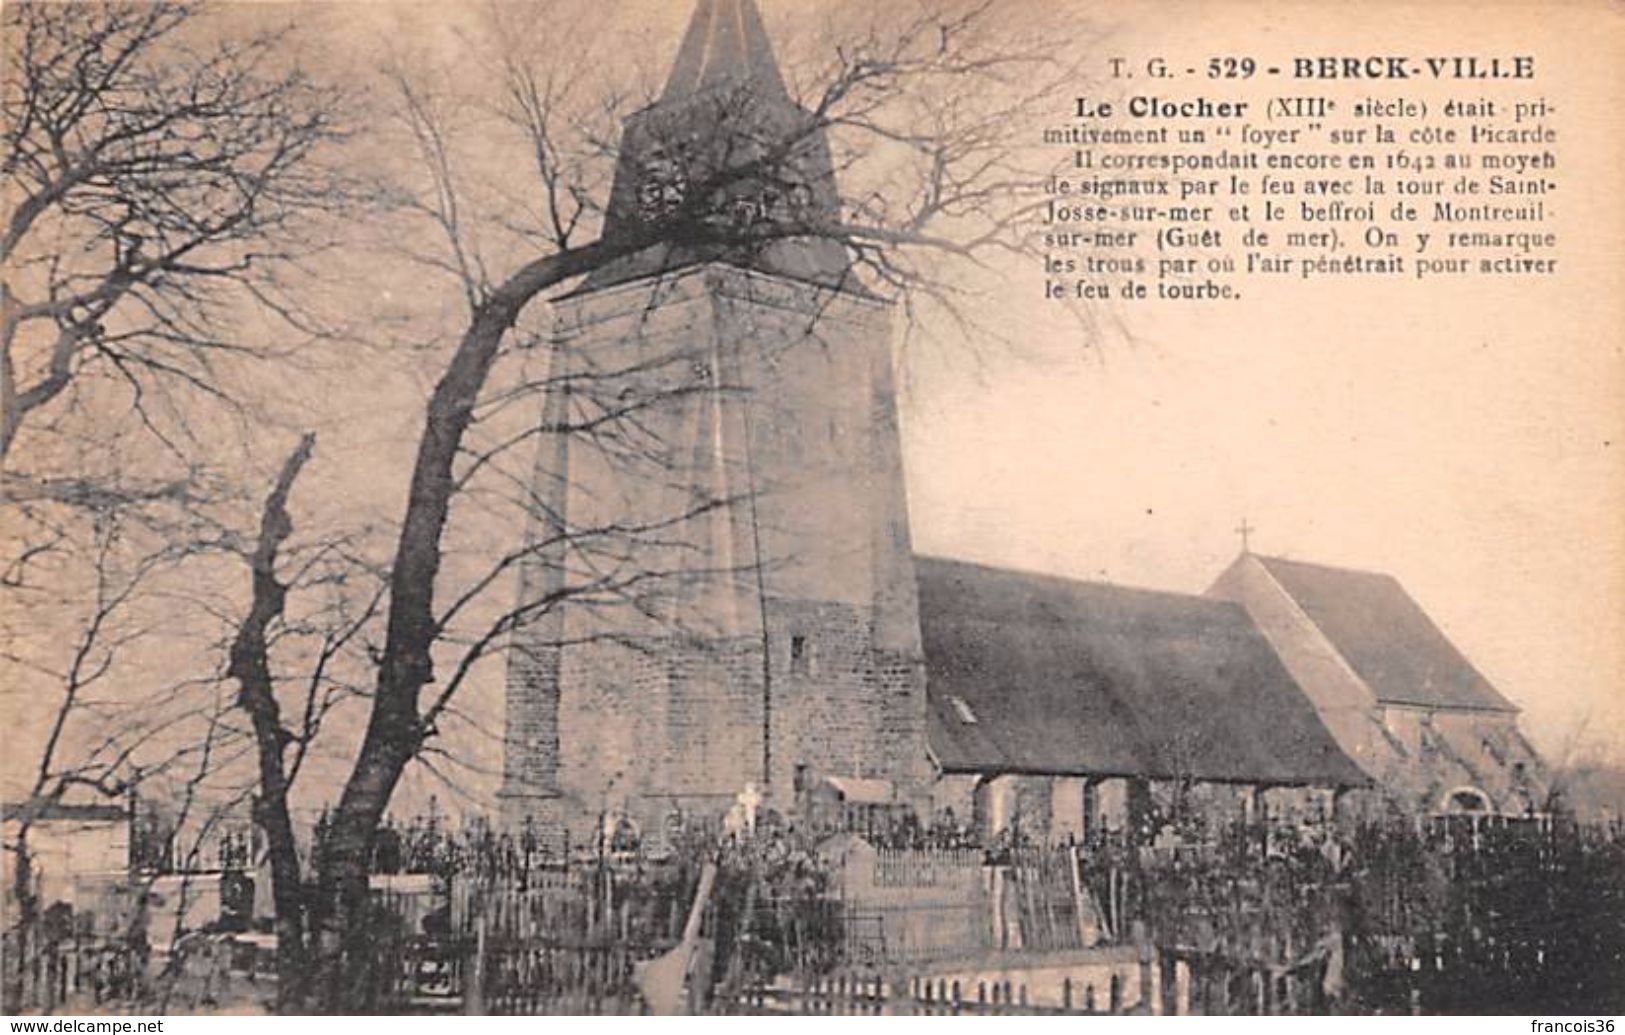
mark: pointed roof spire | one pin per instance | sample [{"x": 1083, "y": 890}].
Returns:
[
  {"x": 724, "y": 105},
  {"x": 726, "y": 43}
]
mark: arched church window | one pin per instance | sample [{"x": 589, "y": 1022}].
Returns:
[
  {"x": 625, "y": 836},
  {"x": 1467, "y": 800}
]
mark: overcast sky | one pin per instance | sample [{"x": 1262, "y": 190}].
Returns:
[{"x": 1463, "y": 438}]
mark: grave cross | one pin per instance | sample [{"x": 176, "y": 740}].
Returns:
[{"x": 748, "y": 801}]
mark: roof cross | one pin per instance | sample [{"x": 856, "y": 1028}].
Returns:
[{"x": 1246, "y": 531}]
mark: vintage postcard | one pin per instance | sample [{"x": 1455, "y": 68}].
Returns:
[{"x": 751, "y": 507}]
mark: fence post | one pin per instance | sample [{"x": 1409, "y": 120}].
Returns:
[
  {"x": 1168, "y": 983},
  {"x": 1147, "y": 997},
  {"x": 1203, "y": 984},
  {"x": 1001, "y": 927},
  {"x": 474, "y": 977}
]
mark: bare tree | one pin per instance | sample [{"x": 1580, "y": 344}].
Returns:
[
  {"x": 257, "y": 695},
  {"x": 184, "y": 174},
  {"x": 162, "y": 182},
  {"x": 949, "y": 193},
  {"x": 115, "y": 590},
  {"x": 157, "y": 182}
]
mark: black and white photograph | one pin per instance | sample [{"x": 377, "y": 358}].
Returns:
[{"x": 975, "y": 508}]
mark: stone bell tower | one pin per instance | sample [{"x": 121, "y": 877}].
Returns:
[{"x": 719, "y": 592}]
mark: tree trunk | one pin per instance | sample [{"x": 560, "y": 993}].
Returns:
[
  {"x": 395, "y": 730},
  {"x": 22, "y": 884},
  {"x": 256, "y": 693}
]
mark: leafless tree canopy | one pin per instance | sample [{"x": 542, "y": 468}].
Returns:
[
  {"x": 157, "y": 182},
  {"x": 165, "y": 183}
]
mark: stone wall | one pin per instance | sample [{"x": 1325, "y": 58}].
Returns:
[{"x": 736, "y": 523}]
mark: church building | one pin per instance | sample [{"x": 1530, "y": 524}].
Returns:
[
  {"x": 1067, "y": 708},
  {"x": 720, "y": 508},
  {"x": 722, "y": 607},
  {"x": 1403, "y": 702}
]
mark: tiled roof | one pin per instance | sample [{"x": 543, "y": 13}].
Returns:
[
  {"x": 1065, "y": 677},
  {"x": 1385, "y": 636}
]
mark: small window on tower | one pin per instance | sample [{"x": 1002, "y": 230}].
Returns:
[
  {"x": 962, "y": 710},
  {"x": 798, "y": 655}
]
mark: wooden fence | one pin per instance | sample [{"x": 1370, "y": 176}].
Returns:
[
  {"x": 73, "y": 975},
  {"x": 1447, "y": 918},
  {"x": 552, "y": 943},
  {"x": 868, "y": 995},
  {"x": 1038, "y": 902},
  {"x": 1212, "y": 984},
  {"x": 535, "y": 978},
  {"x": 912, "y": 906},
  {"x": 926, "y": 868}
]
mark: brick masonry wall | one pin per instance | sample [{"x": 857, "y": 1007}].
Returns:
[
  {"x": 775, "y": 400},
  {"x": 848, "y": 706}
]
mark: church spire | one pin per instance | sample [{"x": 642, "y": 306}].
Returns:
[
  {"x": 725, "y": 146},
  {"x": 726, "y": 44}
]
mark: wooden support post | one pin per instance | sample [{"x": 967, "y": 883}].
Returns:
[
  {"x": 1147, "y": 955},
  {"x": 474, "y": 982},
  {"x": 1168, "y": 984}
]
